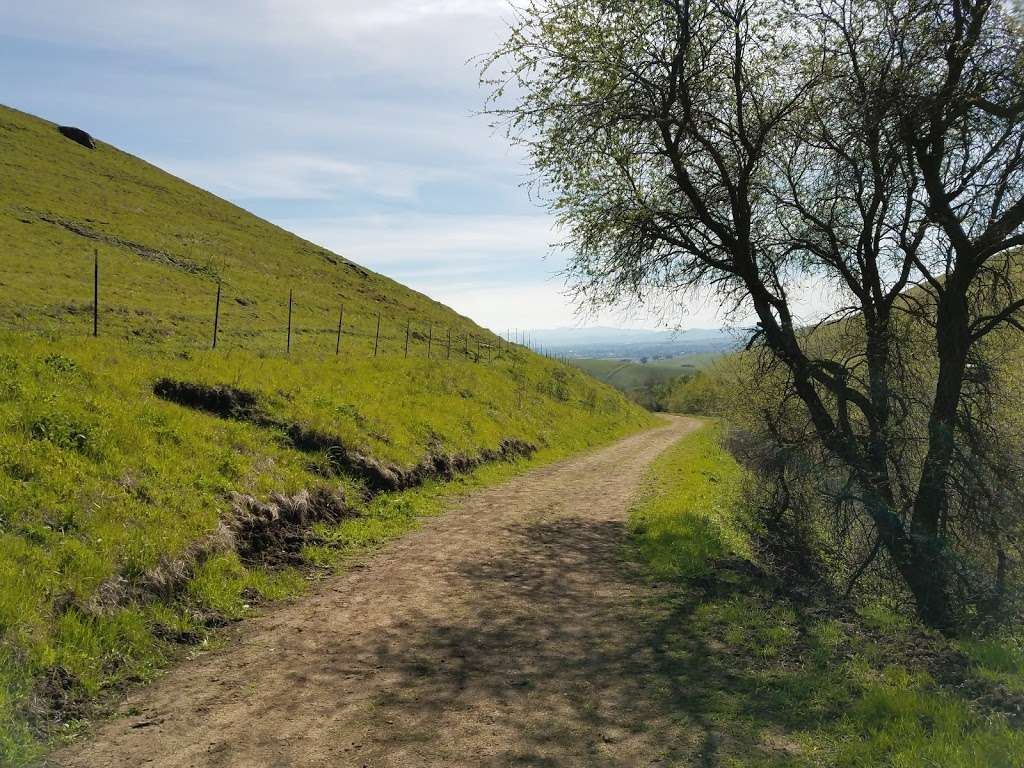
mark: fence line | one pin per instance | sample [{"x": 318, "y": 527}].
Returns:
[
  {"x": 96, "y": 293},
  {"x": 216, "y": 316},
  {"x": 341, "y": 320},
  {"x": 513, "y": 343}
]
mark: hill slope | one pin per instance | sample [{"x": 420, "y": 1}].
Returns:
[
  {"x": 649, "y": 383},
  {"x": 152, "y": 488},
  {"x": 163, "y": 244}
]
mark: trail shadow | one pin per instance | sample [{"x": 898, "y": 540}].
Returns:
[{"x": 562, "y": 654}]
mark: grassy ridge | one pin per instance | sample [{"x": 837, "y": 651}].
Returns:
[
  {"x": 101, "y": 480},
  {"x": 163, "y": 245},
  {"x": 783, "y": 683}
]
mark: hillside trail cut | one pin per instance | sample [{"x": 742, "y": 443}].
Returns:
[{"x": 511, "y": 631}]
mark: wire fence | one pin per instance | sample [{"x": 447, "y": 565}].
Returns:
[{"x": 375, "y": 335}]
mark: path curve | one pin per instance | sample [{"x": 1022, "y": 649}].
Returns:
[{"x": 509, "y": 631}]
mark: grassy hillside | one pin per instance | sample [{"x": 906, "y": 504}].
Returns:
[
  {"x": 650, "y": 383},
  {"x": 152, "y": 489},
  {"x": 163, "y": 245},
  {"x": 641, "y": 382}
]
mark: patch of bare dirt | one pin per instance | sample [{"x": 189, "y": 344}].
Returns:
[{"x": 509, "y": 632}]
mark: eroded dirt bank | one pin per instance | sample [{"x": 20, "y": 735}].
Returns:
[{"x": 508, "y": 632}]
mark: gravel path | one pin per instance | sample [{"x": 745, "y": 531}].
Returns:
[{"x": 508, "y": 632}]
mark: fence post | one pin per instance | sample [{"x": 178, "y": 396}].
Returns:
[
  {"x": 430, "y": 340},
  {"x": 341, "y": 318},
  {"x": 448, "y": 354},
  {"x": 95, "y": 293},
  {"x": 467, "y": 345},
  {"x": 408, "y": 323},
  {"x": 376, "y": 339},
  {"x": 216, "y": 317},
  {"x": 289, "y": 349}
]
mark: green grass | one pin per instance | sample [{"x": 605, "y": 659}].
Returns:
[
  {"x": 165, "y": 292},
  {"x": 628, "y": 375},
  {"x": 101, "y": 479},
  {"x": 768, "y": 682},
  {"x": 698, "y": 477},
  {"x": 673, "y": 384},
  {"x": 1000, "y": 660}
]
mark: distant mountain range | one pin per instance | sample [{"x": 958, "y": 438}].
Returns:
[{"x": 632, "y": 344}]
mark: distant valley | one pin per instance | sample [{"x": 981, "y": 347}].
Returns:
[{"x": 637, "y": 345}]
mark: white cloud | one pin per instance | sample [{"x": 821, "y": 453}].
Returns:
[
  {"x": 418, "y": 39},
  {"x": 389, "y": 240},
  {"x": 294, "y": 176},
  {"x": 491, "y": 268}
]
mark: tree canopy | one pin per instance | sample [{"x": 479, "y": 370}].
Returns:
[{"x": 872, "y": 148}]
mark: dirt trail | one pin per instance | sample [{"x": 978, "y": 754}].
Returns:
[{"x": 509, "y": 631}]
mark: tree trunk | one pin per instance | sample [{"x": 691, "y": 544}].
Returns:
[
  {"x": 920, "y": 563},
  {"x": 952, "y": 335}
]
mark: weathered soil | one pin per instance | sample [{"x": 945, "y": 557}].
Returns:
[{"x": 511, "y": 631}]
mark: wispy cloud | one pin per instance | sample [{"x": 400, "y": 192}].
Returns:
[
  {"x": 390, "y": 241},
  {"x": 294, "y": 176}
]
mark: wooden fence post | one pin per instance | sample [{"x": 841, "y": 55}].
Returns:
[
  {"x": 448, "y": 354},
  {"x": 408, "y": 323},
  {"x": 96, "y": 293},
  {"x": 376, "y": 339},
  {"x": 289, "y": 349},
  {"x": 467, "y": 345},
  {"x": 430, "y": 340},
  {"x": 341, "y": 318},
  {"x": 216, "y": 317}
]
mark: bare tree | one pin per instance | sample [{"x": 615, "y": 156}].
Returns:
[{"x": 746, "y": 147}]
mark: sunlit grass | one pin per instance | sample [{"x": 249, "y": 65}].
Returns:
[
  {"x": 685, "y": 519},
  {"x": 98, "y": 477},
  {"x": 779, "y": 687}
]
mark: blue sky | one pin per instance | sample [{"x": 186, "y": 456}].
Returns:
[{"x": 353, "y": 124}]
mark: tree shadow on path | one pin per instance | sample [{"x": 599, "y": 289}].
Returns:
[{"x": 563, "y": 654}]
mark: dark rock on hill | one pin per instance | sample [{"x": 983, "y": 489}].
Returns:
[{"x": 78, "y": 136}]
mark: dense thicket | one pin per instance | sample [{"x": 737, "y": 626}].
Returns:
[{"x": 873, "y": 150}]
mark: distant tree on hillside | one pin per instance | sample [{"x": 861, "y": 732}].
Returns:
[{"x": 748, "y": 146}]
